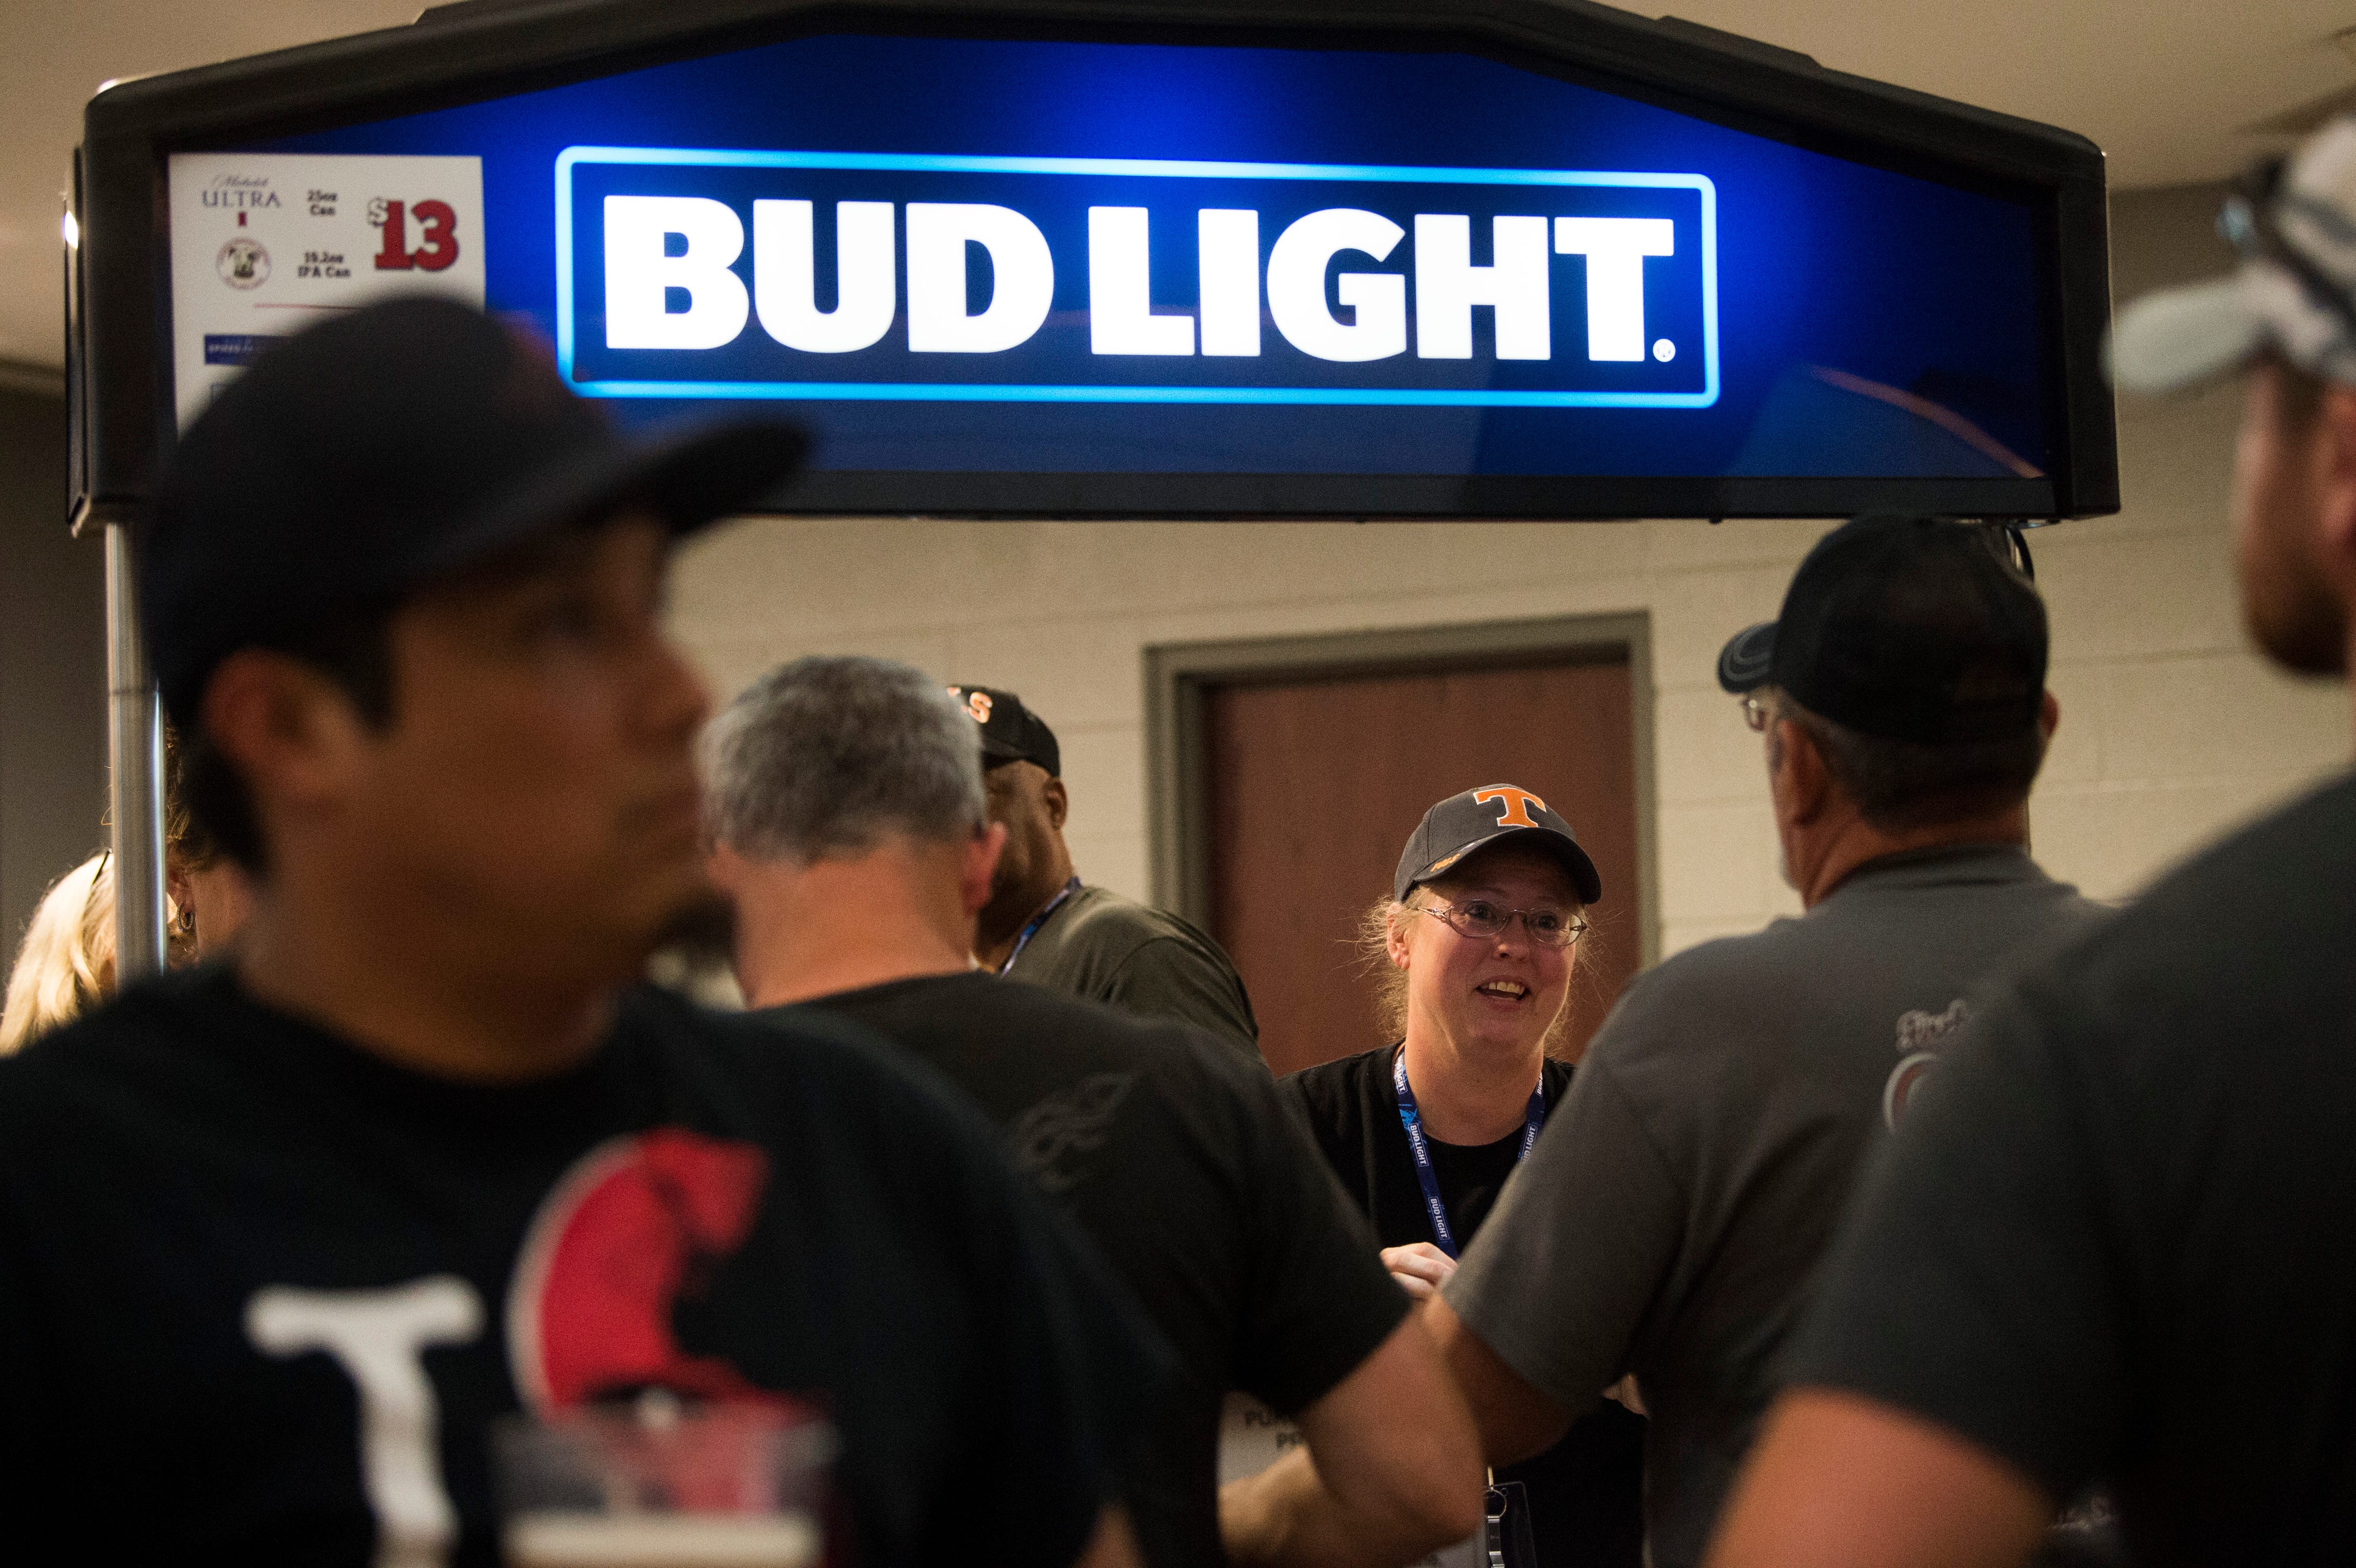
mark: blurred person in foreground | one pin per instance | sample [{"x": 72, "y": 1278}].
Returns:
[
  {"x": 280, "y": 1238},
  {"x": 846, "y": 801},
  {"x": 2113, "y": 1239},
  {"x": 1476, "y": 947},
  {"x": 1045, "y": 925},
  {"x": 1671, "y": 1222}
]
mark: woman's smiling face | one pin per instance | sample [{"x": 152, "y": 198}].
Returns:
[{"x": 1498, "y": 994}]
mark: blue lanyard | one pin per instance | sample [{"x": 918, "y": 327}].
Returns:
[
  {"x": 1037, "y": 921},
  {"x": 1412, "y": 1120}
]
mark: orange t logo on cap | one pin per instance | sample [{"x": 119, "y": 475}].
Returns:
[
  {"x": 1518, "y": 802},
  {"x": 976, "y": 703}
]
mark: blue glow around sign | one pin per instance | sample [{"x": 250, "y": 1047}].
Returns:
[
  {"x": 1463, "y": 268},
  {"x": 700, "y": 273}
]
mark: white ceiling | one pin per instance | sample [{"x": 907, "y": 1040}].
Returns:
[{"x": 2164, "y": 86}]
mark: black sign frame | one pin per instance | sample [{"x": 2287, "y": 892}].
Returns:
[{"x": 119, "y": 296}]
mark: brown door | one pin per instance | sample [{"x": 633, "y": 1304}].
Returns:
[{"x": 1313, "y": 785}]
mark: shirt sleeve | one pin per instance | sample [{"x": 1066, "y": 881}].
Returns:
[
  {"x": 1173, "y": 978},
  {"x": 1565, "y": 1268},
  {"x": 1321, "y": 1301},
  {"x": 1974, "y": 1280}
]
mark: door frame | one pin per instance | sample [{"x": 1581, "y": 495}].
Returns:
[{"x": 1177, "y": 675}]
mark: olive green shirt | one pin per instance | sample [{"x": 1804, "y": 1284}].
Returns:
[{"x": 1105, "y": 948}]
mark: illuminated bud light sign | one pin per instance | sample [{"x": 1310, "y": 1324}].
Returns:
[{"x": 806, "y": 275}]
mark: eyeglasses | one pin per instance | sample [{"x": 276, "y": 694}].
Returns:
[
  {"x": 1483, "y": 921},
  {"x": 1756, "y": 714}
]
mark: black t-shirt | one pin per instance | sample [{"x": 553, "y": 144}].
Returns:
[
  {"x": 2111, "y": 1236},
  {"x": 1175, "y": 1153},
  {"x": 1587, "y": 1491},
  {"x": 262, "y": 1292}
]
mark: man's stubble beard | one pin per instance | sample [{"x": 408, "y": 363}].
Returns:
[{"x": 2287, "y": 604}]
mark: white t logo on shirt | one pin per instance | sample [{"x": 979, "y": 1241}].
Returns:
[{"x": 378, "y": 1337}]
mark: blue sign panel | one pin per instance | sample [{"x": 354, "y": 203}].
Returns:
[
  {"x": 684, "y": 273},
  {"x": 1048, "y": 259}
]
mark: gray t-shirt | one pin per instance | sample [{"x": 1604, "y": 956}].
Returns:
[
  {"x": 1672, "y": 1219},
  {"x": 1104, "y": 948}
]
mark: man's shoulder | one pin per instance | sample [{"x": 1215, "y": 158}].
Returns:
[
  {"x": 1714, "y": 973},
  {"x": 2250, "y": 934},
  {"x": 1726, "y": 978},
  {"x": 806, "y": 1049},
  {"x": 2291, "y": 871},
  {"x": 158, "y": 1031},
  {"x": 956, "y": 1022},
  {"x": 1111, "y": 926}
]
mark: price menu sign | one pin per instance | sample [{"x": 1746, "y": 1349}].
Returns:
[{"x": 265, "y": 244}]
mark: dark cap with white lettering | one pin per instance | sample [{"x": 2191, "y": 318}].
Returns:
[
  {"x": 1905, "y": 629},
  {"x": 365, "y": 457},
  {"x": 1479, "y": 819},
  {"x": 1009, "y": 731}
]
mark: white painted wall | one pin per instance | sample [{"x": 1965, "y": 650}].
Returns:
[{"x": 2172, "y": 729}]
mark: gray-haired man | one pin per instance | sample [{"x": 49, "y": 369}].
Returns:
[{"x": 846, "y": 802}]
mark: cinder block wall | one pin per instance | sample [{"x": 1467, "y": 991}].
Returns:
[{"x": 2172, "y": 729}]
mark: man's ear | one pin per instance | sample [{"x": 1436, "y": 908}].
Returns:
[
  {"x": 1803, "y": 785},
  {"x": 292, "y": 734},
  {"x": 979, "y": 868},
  {"x": 1395, "y": 937},
  {"x": 725, "y": 867},
  {"x": 2049, "y": 717},
  {"x": 1059, "y": 804},
  {"x": 2337, "y": 486}
]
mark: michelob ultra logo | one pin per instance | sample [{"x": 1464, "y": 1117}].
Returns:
[{"x": 821, "y": 275}]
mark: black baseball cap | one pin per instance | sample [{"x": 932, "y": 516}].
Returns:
[
  {"x": 366, "y": 456},
  {"x": 1907, "y": 629},
  {"x": 1009, "y": 731},
  {"x": 1491, "y": 815}
]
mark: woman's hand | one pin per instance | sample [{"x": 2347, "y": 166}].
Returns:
[{"x": 1420, "y": 1267}]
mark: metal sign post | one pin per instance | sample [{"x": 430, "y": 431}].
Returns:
[{"x": 134, "y": 746}]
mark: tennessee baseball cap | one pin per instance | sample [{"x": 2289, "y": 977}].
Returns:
[
  {"x": 1491, "y": 815},
  {"x": 1009, "y": 731},
  {"x": 364, "y": 458},
  {"x": 2294, "y": 223},
  {"x": 1905, "y": 628}
]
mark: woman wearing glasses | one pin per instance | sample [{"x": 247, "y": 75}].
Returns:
[{"x": 1473, "y": 953}]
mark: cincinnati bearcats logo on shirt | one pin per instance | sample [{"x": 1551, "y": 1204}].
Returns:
[
  {"x": 1516, "y": 813},
  {"x": 635, "y": 1222}
]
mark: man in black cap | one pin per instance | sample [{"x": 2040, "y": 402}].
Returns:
[
  {"x": 1674, "y": 1213},
  {"x": 278, "y": 1240},
  {"x": 1045, "y": 925},
  {"x": 2115, "y": 1240}
]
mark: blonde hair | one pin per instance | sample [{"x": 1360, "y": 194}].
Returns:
[
  {"x": 66, "y": 963},
  {"x": 1373, "y": 945}
]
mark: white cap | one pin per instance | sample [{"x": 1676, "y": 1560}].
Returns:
[{"x": 2179, "y": 336}]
